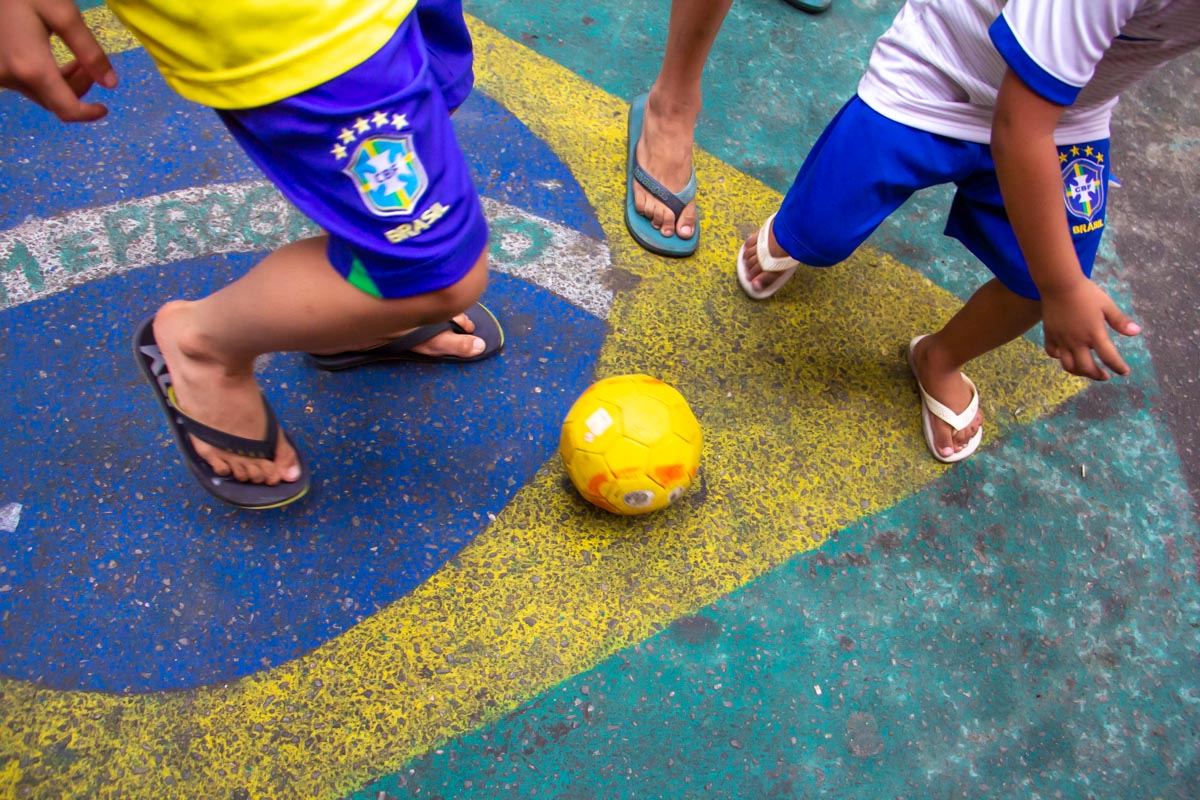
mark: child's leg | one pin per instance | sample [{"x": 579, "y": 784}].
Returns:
[
  {"x": 371, "y": 157},
  {"x": 665, "y": 149},
  {"x": 1007, "y": 306},
  {"x": 861, "y": 169},
  {"x": 384, "y": 127},
  {"x": 993, "y": 316},
  {"x": 291, "y": 301}
]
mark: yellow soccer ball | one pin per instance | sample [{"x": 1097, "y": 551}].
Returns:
[{"x": 631, "y": 444}]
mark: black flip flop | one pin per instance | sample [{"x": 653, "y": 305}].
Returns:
[
  {"x": 229, "y": 489},
  {"x": 401, "y": 349}
]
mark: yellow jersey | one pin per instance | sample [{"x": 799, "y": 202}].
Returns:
[{"x": 246, "y": 53}]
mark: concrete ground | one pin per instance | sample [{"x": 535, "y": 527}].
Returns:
[{"x": 827, "y": 611}]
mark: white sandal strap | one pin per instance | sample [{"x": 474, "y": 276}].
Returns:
[
  {"x": 943, "y": 412},
  {"x": 766, "y": 261}
]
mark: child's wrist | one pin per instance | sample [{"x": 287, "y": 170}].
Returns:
[{"x": 1060, "y": 284}]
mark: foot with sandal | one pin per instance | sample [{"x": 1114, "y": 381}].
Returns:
[
  {"x": 660, "y": 213},
  {"x": 199, "y": 358},
  {"x": 248, "y": 460},
  {"x": 660, "y": 180},
  {"x": 764, "y": 267},
  {"x": 357, "y": 295}
]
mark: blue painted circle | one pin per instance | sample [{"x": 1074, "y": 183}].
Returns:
[{"x": 122, "y": 575}]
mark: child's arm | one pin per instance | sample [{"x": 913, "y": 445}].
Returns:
[
  {"x": 1074, "y": 310},
  {"x": 27, "y": 64}
]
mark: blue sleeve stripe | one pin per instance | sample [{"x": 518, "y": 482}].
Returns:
[{"x": 1036, "y": 78}]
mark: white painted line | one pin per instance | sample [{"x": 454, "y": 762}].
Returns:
[
  {"x": 10, "y": 517},
  {"x": 44, "y": 256}
]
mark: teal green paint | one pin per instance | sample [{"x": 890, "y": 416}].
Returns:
[
  {"x": 536, "y": 239},
  {"x": 298, "y": 225},
  {"x": 124, "y": 226},
  {"x": 254, "y": 225},
  {"x": 20, "y": 259},
  {"x": 180, "y": 227},
  {"x": 220, "y": 209},
  {"x": 259, "y": 222},
  {"x": 1006, "y": 634},
  {"x": 78, "y": 251},
  {"x": 250, "y": 218}
]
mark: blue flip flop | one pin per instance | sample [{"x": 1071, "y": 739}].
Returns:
[
  {"x": 487, "y": 327},
  {"x": 811, "y": 6},
  {"x": 640, "y": 228},
  {"x": 243, "y": 494}
]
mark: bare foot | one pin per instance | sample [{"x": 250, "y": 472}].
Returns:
[
  {"x": 665, "y": 152},
  {"x": 221, "y": 397},
  {"x": 759, "y": 278},
  {"x": 943, "y": 381}
]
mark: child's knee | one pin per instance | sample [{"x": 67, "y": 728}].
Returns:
[{"x": 441, "y": 304}]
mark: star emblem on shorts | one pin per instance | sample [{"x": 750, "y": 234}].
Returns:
[{"x": 350, "y": 134}]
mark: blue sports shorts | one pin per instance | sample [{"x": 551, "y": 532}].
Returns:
[
  {"x": 864, "y": 166},
  {"x": 371, "y": 157}
]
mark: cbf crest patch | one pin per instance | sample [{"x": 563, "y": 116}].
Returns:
[
  {"x": 1083, "y": 181},
  {"x": 388, "y": 174}
]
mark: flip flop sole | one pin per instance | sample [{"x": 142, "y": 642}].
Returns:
[{"x": 253, "y": 496}]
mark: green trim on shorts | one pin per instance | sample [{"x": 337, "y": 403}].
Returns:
[{"x": 360, "y": 280}]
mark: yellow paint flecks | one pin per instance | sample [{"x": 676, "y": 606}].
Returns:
[
  {"x": 108, "y": 30},
  {"x": 811, "y": 423}
]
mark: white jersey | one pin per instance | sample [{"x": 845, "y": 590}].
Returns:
[{"x": 938, "y": 67}]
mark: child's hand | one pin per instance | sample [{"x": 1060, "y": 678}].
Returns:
[
  {"x": 1074, "y": 323},
  {"x": 27, "y": 64}
]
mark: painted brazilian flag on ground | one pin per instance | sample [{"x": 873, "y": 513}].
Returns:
[{"x": 442, "y": 574}]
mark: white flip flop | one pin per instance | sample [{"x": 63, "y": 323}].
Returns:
[
  {"x": 930, "y": 405},
  {"x": 785, "y": 266}
]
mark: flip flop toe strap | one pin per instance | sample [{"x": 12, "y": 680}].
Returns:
[
  {"x": 418, "y": 336},
  {"x": 239, "y": 445},
  {"x": 676, "y": 202},
  {"x": 943, "y": 412},
  {"x": 766, "y": 261}
]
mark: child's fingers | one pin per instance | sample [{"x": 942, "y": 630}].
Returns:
[
  {"x": 1108, "y": 353},
  {"x": 54, "y": 93},
  {"x": 1079, "y": 361},
  {"x": 67, "y": 22},
  {"x": 1120, "y": 322},
  {"x": 27, "y": 66},
  {"x": 1066, "y": 359},
  {"x": 77, "y": 78}
]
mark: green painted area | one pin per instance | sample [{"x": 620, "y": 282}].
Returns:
[
  {"x": 20, "y": 260},
  {"x": 1027, "y": 627},
  {"x": 960, "y": 650},
  {"x": 532, "y": 239}
]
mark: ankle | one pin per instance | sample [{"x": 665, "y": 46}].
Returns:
[
  {"x": 675, "y": 111},
  {"x": 933, "y": 359},
  {"x": 180, "y": 337}
]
